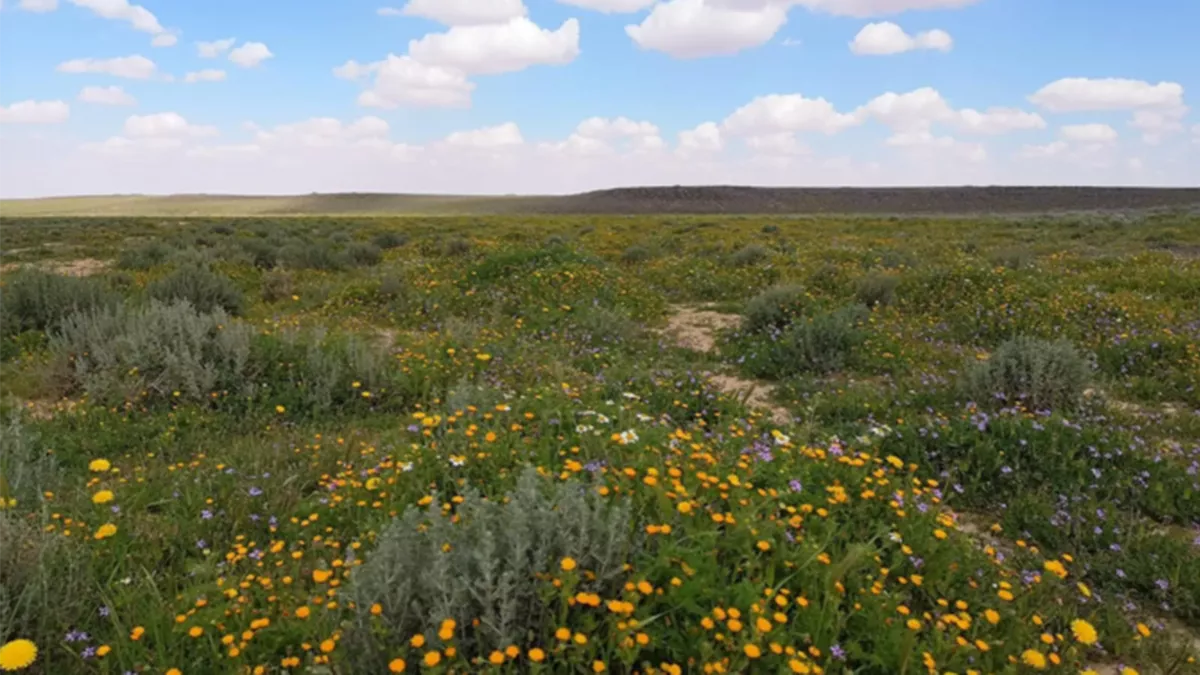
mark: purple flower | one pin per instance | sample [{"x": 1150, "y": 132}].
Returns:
[
  {"x": 255, "y": 491},
  {"x": 1162, "y": 584},
  {"x": 795, "y": 485},
  {"x": 104, "y": 611},
  {"x": 837, "y": 651},
  {"x": 206, "y": 514},
  {"x": 200, "y": 543},
  {"x": 88, "y": 652}
]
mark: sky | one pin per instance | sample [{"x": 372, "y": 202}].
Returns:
[{"x": 559, "y": 96}]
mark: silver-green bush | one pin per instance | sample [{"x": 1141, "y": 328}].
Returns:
[
  {"x": 775, "y": 308},
  {"x": 120, "y": 353},
  {"x": 486, "y": 565},
  {"x": 1040, "y": 374}
]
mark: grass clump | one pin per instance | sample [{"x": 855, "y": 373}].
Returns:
[
  {"x": 776, "y": 307},
  {"x": 636, "y": 254},
  {"x": 750, "y": 254},
  {"x": 1040, "y": 374},
  {"x": 486, "y": 567},
  {"x": 389, "y": 240},
  {"x": 201, "y": 287},
  {"x": 876, "y": 290},
  {"x": 364, "y": 255},
  {"x": 820, "y": 344}
]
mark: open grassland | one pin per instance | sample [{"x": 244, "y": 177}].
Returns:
[
  {"x": 581, "y": 444},
  {"x": 644, "y": 200}
]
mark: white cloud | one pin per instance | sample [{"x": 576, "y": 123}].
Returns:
[
  {"x": 695, "y": 28},
  {"x": 165, "y": 40},
  {"x": 39, "y": 5},
  {"x": 869, "y": 8},
  {"x": 250, "y": 54},
  {"x": 325, "y": 132},
  {"x": 206, "y": 75},
  {"x": 1052, "y": 149},
  {"x": 164, "y": 125},
  {"x": 1088, "y": 133},
  {"x": 618, "y": 127},
  {"x": 214, "y": 49},
  {"x": 136, "y": 67},
  {"x": 1157, "y": 124},
  {"x": 112, "y": 95},
  {"x": 611, "y": 6},
  {"x": 704, "y": 138},
  {"x": 464, "y": 12},
  {"x": 487, "y": 138},
  {"x": 403, "y": 81},
  {"x": 389, "y": 11},
  {"x": 777, "y": 113},
  {"x": 919, "y": 109},
  {"x": 593, "y": 134},
  {"x": 783, "y": 143},
  {"x": 578, "y": 145},
  {"x": 1079, "y": 94},
  {"x": 923, "y": 141},
  {"x": 35, "y": 112},
  {"x": 137, "y": 16},
  {"x": 884, "y": 38},
  {"x": 505, "y": 47}
]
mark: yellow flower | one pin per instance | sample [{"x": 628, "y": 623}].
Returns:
[
  {"x": 752, "y": 651},
  {"x": 537, "y": 655},
  {"x": 567, "y": 564},
  {"x": 99, "y": 465},
  {"x": 1084, "y": 632},
  {"x": 195, "y": 631},
  {"x": 446, "y": 632},
  {"x": 417, "y": 641},
  {"x": 496, "y": 657},
  {"x": 328, "y": 646},
  {"x": 1056, "y": 568},
  {"x": 1129, "y": 671},
  {"x": 397, "y": 666},
  {"x": 17, "y": 655},
  {"x": 992, "y": 616},
  {"x": 105, "y": 531},
  {"x": 102, "y": 497},
  {"x": 280, "y": 409},
  {"x": 373, "y": 483},
  {"x": 563, "y": 634},
  {"x": 1034, "y": 659},
  {"x": 432, "y": 658},
  {"x": 598, "y": 667},
  {"x": 1143, "y": 629}
]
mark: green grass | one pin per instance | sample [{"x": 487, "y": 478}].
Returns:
[{"x": 484, "y": 424}]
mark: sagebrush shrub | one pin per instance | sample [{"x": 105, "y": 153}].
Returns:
[
  {"x": 203, "y": 288},
  {"x": 38, "y": 300},
  {"x": 144, "y": 257},
  {"x": 312, "y": 256},
  {"x": 485, "y": 568},
  {"x": 363, "y": 254},
  {"x": 457, "y": 247},
  {"x": 822, "y": 343},
  {"x": 163, "y": 351},
  {"x": 636, "y": 254},
  {"x": 750, "y": 254},
  {"x": 389, "y": 240},
  {"x": 277, "y": 285},
  {"x": 265, "y": 255},
  {"x": 1012, "y": 258},
  {"x": 877, "y": 289},
  {"x": 1041, "y": 374},
  {"x": 776, "y": 307}
]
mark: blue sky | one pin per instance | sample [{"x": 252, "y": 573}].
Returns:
[{"x": 982, "y": 91}]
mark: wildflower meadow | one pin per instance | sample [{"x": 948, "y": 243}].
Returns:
[{"x": 880, "y": 446}]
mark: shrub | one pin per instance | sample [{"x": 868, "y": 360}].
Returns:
[
  {"x": 775, "y": 308},
  {"x": 1039, "y": 373},
  {"x": 457, "y": 247},
  {"x": 486, "y": 568},
  {"x": 203, "y": 288},
  {"x": 821, "y": 344},
  {"x": 264, "y": 254},
  {"x": 38, "y": 300},
  {"x": 301, "y": 255},
  {"x": 144, "y": 257},
  {"x": 636, "y": 254},
  {"x": 827, "y": 277},
  {"x": 392, "y": 287},
  {"x": 364, "y": 255},
  {"x": 340, "y": 237},
  {"x": 118, "y": 353},
  {"x": 277, "y": 285},
  {"x": 770, "y": 229},
  {"x": 389, "y": 240},
  {"x": 877, "y": 289},
  {"x": 750, "y": 254}
]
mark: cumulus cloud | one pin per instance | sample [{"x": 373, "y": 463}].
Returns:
[
  {"x": 35, "y": 112},
  {"x": 1081, "y": 94},
  {"x": 38, "y": 5},
  {"x": 487, "y": 138},
  {"x": 885, "y": 38},
  {"x": 495, "y": 48},
  {"x": 215, "y": 48},
  {"x": 602, "y": 135},
  {"x": 870, "y": 8},
  {"x": 138, "y": 17},
  {"x": 462, "y": 12},
  {"x": 401, "y": 81},
  {"x": 206, "y": 75},
  {"x": 325, "y": 132},
  {"x": 703, "y": 138},
  {"x": 165, "y": 40},
  {"x": 689, "y": 29},
  {"x": 778, "y": 113},
  {"x": 164, "y": 125},
  {"x": 1088, "y": 133},
  {"x": 611, "y": 6},
  {"x": 250, "y": 54},
  {"x": 112, "y": 95},
  {"x": 920, "y": 109},
  {"x": 135, "y": 67}
]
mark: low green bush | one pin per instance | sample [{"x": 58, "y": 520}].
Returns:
[
  {"x": 1040, "y": 374},
  {"x": 200, "y": 286}
]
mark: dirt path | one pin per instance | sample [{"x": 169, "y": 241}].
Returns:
[
  {"x": 83, "y": 267},
  {"x": 695, "y": 328}
]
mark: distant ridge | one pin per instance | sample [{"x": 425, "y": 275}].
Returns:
[{"x": 706, "y": 199}]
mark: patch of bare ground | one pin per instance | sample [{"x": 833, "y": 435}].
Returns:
[
  {"x": 695, "y": 328},
  {"x": 83, "y": 267}
]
